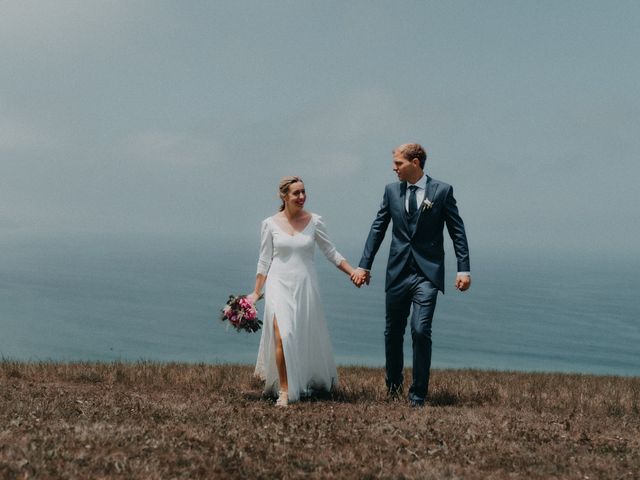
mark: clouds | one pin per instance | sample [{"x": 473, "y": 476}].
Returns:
[
  {"x": 327, "y": 140},
  {"x": 30, "y": 24},
  {"x": 350, "y": 117},
  {"x": 174, "y": 149},
  {"x": 16, "y": 135},
  {"x": 159, "y": 116}
]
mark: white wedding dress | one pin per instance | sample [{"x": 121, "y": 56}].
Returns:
[{"x": 291, "y": 295}]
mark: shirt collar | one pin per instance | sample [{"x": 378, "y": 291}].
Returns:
[{"x": 422, "y": 183}]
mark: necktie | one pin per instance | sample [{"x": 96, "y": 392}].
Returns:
[{"x": 413, "y": 204}]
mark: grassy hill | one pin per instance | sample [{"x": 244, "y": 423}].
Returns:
[{"x": 150, "y": 420}]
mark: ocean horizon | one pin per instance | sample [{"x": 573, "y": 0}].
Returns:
[{"x": 137, "y": 297}]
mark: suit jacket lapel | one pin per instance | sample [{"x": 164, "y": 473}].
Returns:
[
  {"x": 429, "y": 193},
  {"x": 403, "y": 193}
]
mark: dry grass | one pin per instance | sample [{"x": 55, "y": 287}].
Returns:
[{"x": 150, "y": 420}]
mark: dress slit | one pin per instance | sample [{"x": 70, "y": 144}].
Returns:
[{"x": 275, "y": 342}]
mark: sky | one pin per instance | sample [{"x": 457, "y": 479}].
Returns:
[{"x": 159, "y": 117}]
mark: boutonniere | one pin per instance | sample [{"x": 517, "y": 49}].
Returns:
[{"x": 426, "y": 204}]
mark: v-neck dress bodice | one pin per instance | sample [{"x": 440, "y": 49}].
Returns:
[{"x": 292, "y": 297}]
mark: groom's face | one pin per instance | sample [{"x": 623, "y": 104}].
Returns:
[{"x": 404, "y": 168}]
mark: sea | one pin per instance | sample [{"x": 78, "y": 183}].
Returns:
[{"x": 105, "y": 298}]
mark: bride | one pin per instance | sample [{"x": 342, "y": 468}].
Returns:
[{"x": 295, "y": 355}]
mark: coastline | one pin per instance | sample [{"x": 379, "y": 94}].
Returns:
[{"x": 150, "y": 420}]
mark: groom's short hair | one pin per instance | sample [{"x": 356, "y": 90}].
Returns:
[{"x": 409, "y": 151}]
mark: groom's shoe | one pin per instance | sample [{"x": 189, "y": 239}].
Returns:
[
  {"x": 415, "y": 400},
  {"x": 394, "y": 392}
]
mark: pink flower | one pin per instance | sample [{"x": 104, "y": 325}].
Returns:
[{"x": 244, "y": 303}]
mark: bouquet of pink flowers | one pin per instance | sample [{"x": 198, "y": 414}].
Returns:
[{"x": 241, "y": 314}]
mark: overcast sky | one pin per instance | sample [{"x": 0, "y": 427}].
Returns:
[{"x": 180, "y": 117}]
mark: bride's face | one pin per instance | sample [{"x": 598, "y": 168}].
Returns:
[{"x": 296, "y": 196}]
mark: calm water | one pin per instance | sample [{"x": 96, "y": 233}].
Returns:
[{"x": 152, "y": 298}]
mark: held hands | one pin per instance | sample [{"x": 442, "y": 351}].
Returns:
[
  {"x": 463, "y": 282},
  {"x": 360, "y": 277}
]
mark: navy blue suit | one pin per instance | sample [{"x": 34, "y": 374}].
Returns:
[{"x": 415, "y": 273}]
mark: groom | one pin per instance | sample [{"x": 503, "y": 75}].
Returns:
[{"x": 419, "y": 207}]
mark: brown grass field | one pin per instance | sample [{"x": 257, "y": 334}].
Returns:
[{"x": 151, "y": 420}]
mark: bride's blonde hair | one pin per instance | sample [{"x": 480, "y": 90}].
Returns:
[{"x": 283, "y": 188}]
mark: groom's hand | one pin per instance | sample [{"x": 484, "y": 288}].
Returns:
[
  {"x": 360, "y": 276},
  {"x": 463, "y": 282},
  {"x": 356, "y": 279}
]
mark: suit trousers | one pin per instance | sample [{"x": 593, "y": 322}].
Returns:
[{"x": 414, "y": 297}]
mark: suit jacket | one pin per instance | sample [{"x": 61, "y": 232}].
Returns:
[{"x": 425, "y": 240}]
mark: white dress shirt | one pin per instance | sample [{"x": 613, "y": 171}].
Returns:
[{"x": 422, "y": 185}]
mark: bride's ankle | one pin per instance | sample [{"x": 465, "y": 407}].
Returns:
[{"x": 283, "y": 398}]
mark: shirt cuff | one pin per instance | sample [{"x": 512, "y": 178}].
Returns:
[{"x": 465, "y": 274}]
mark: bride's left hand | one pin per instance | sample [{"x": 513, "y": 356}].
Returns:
[{"x": 253, "y": 297}]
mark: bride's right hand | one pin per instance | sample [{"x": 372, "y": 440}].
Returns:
[
  {"x": 253, "y": 297},
  {"x": 359, "y": 277}
]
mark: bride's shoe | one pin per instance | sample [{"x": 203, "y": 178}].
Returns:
[{"x": 283, "y": 399}]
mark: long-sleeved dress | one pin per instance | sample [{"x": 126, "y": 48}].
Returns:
[{"x": 292, "y": 296}]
